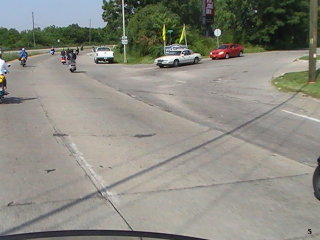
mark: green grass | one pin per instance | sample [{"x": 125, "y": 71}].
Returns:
[
  {"x": 254, "y": 49},
  {"x": 307, "y": 57},
  {"x": 298, "y": 82},
  {"x": 132, "y": 59},
  {"x": 13, "y": 56}
]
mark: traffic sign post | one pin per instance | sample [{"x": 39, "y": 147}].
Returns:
[{"x": 217, "y": 33}]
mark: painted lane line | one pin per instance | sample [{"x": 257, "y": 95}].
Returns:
[
  {"x": 303, "y": 116},
  {"x": 95, "y": 178}
]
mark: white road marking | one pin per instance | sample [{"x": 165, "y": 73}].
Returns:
[
  {"x": 95, "y": 178},
  {"x": 303, "y": 116}
]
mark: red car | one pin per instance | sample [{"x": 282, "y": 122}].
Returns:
[{"x": 227, "y": 50}]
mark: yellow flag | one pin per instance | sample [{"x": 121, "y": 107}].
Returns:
[
  {"x": 183, "y": 34},
  {"x": 164, "y": 32}
]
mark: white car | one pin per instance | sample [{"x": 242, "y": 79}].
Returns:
[
  {"x": 104, "y": 54},
  {"x": 178, "y": 57}
]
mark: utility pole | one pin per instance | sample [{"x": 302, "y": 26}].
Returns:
[
  {"x": 34, "y": 38},
  {"x": 313, "y": 28},
  {"x": 90, "y": 32},
  {"x": 124, "y": 34}
]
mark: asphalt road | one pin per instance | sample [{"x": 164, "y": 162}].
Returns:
[
  {"x": 208, "y": 150},
  {"x": 233, "y": 96}
]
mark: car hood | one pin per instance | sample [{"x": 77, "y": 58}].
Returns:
[
  {"x": 218, "y": 51},
  {"x": 95, "y": 235}
]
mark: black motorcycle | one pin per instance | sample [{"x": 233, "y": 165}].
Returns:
[
  {"x": 23, "y": 61},
  {"x": 316, "y": 181}
]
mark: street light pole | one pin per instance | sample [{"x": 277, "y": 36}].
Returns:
[
  {"x": 124, "y": 34},
  {"x": 313, "y": 25},
  {"x": 34, "y": 38},
  {"x": 90, "y": 32}
]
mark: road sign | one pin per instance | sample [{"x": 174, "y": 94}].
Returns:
[
  {"x": 124, "y": 38},
  {"x": 217, "y": 32},
  {"x": 124, "y": 41}
]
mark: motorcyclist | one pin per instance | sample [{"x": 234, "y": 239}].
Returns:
[
  {"x": 23, "y": 54},
  {"x": 77, "y": 50},
  {"x": 3, "y": 70},
  {"x": 52, "y": 50},
  {"x": 63, "y": 53},
  {"x": 72, "y": 56}
]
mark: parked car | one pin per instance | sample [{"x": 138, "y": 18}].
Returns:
[
  {"x": 227, "y": 51},
  {"x": 104, "y": 54},
  {"x": 178, "y": 57}
]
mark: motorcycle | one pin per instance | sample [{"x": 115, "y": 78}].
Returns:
[
  {"x": 72, "y": 65},
  {"x": 2, "y": 90},
  {"x": 316, "y": 181},
  {"x": 52, "y": 52},
  {"x": 23, "y": 61},
  {"x": 63, "y": 60}
]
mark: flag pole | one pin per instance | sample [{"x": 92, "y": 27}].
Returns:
[
  {"x": 185, "y": 35},
  {"x": 164, "y": 38}
]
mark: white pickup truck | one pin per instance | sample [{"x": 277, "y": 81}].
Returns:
[{"x": 103, "y": 54}]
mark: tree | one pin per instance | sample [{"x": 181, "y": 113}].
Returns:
[
  {"x": 145, "y": 28},
  {"x": 273, "y": 23}
]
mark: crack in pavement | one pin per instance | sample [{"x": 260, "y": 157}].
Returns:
[
  {"x": 18, "y": 204},
  {"x": 214, "y": 185}
]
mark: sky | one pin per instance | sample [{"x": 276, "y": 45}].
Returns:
[{"x": 18, "y": 13}]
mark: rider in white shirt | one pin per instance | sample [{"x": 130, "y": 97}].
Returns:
[{"x": 4, "y": 68}]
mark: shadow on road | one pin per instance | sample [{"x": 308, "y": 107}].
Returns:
[
  {"x": 16, "y": 100},
  {"x": 29, "y": 66}
]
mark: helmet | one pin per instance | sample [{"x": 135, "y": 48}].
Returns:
[{"x": 22, "y": 49}]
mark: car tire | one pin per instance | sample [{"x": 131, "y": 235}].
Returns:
[
  {"x": 240, "y": 54},
  {"x": 227, "y": 56},
  {"x": 176, "y": 63},
  {"x": 96, "y": 61},
  {"x": 161, "y": 66},
  {"x": 196, "y": 60},
  {"x": 316, "y": 182}
]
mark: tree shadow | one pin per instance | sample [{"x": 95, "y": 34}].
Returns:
[{"x": 16, "y": 100}]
